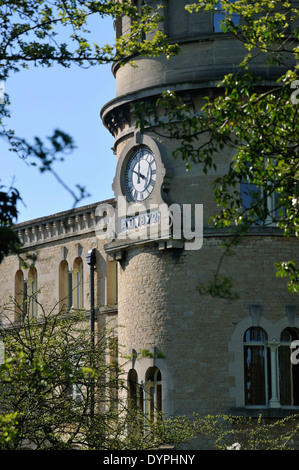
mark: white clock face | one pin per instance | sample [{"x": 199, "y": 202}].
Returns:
[{"x": 141, "y": 173}]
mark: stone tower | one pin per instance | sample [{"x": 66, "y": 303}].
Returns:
[{"x": 160, "y": 309}]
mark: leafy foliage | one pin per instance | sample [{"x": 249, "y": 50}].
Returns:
[
  {"x": 244, "y": 433},
  {"x": 58, "y": 391},
  {"x": 52, "y": 370},
  {"x": 8, "y": 430},
  {"x": 257, "y": 122},
  {"x": 44, "y": 33}
]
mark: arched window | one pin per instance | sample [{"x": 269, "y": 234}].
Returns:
[
  {"x": 65, "y": 287},
  {"x": 256, "y": 367},
  {"x": 132, "y": 388},
  {"x": 20, "y": 295},
  {"x": 288, "y": 372},
  {"x": 32, "y": 292},
  {"x": 135, "y": 402},
  {"x": 135, "y": 392},
  {"x": 271, "y": 378},
  {"x": 77, "y": 280},
  {"x": 153, "y": 393},
  {"x": 111, "y": 282}
]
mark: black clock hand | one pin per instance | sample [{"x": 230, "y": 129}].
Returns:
[
  {"x": 148, "y": 176},
  {"x": 140, "y": 175}
]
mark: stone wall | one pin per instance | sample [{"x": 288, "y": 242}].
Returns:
[
  {"x": 45, "y": 247},
  {"x": 161, "y": 309}
]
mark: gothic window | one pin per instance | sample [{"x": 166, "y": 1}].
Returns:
[
  {"x": 288, "y": 372},
  {"x": 70, "y": 290},
  {"x": 145, "y": 397},
  {"x": 153, "y": 393},
  {"x": 255, "y": 366},
  {"x": 77, "y": 283},
  {"x": 20, "y": 295},
  {"x": 71, "y": 285},
  {"x": 32, "y": 292},
  {"x": 132, "y": 389},
  {"x": 25, "y": 298},
  {"x": 270, "y": 378},
  {"x": 65, "y": 286},
  {"x": 135, "y": 402},
  {"x": 111, "y": 282},
  {"x": 135, "y": 392}
]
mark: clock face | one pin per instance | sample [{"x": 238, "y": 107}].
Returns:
[{"x": 141, "y": 172}]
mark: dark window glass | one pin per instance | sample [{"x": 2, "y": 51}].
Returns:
[
  {"x": 288, "y": 372},
  {"x": 255, "y": 367}
]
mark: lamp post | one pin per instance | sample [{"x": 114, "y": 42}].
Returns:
[{"x": 91, "y": 260}]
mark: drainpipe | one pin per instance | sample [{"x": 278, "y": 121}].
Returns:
[{"x": 91, "y": 260}]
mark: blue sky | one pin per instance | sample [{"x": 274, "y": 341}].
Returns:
[{"x": 43, "y": 99}]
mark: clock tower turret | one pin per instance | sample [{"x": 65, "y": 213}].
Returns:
[{"x": 160, "y": 308}]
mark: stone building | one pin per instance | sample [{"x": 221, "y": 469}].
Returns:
[{"x": 220, "y": 355}]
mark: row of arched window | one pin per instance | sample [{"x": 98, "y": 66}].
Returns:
[
  {"x": 146, "y": 396},
  {"x": 71, "y": 285},
  {"x": 271, "y": 378},
  {"x": 70, "y": 289},
  {"x": 25, "y": 293}
]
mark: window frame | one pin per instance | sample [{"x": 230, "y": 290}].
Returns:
[
  {"x": 263, "y": 345},
  {"x": 32, "y": 291},
  {"x": 146, "y": 396},
  {"x": 77, "y": 284},
  {"x": 153, "y": 393},
  {"x": 274, "y": 376}
]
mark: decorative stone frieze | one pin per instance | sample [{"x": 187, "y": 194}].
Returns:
[{"x": 58, "y": 226}]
